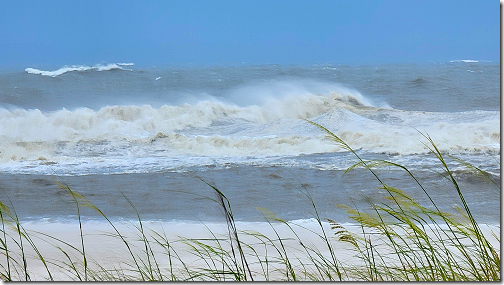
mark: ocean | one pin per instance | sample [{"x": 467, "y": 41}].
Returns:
[{"x": 157, "y": 135}]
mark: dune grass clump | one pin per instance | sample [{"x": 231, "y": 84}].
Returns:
[
  {"x": 399, "y": 239},
  {"x": 425, "y": 243}
]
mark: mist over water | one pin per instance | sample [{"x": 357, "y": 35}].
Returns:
[{"x": 122, "y": 119}]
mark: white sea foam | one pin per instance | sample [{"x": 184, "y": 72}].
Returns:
[{"x": 81, "y": 68}]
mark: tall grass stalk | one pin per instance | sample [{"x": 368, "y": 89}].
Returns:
[
  {"x": 3, "y": 209},
  {"x": 76, "y": 197},
  {"x": 148, "y": 249},
  {"x": 233, "y": 235}
]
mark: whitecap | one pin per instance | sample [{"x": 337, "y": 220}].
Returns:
[
  {"x": 465, "y": 60},
  {"x": 81, "y": 68}
]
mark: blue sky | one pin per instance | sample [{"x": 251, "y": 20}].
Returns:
[{"x": 174, "y": 33}]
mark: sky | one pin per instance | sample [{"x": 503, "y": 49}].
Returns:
[{"x": 220, "y": 32}]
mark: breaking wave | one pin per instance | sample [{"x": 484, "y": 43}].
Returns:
[
  {"x": 217, "y": 128},
  {"x": 81, "y": 68}
]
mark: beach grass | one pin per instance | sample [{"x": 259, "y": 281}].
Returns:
[{"x": 399, "y": 239}]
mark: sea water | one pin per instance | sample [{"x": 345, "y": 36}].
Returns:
[{"x": 158, "y": 135}]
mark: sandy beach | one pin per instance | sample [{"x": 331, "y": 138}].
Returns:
[{"x": 106, "y": 251}]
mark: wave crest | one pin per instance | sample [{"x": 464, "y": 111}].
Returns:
[{"x": 80, "y": 68}]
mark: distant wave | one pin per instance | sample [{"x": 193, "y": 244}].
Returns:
[
  {"x": 465, "y": 60},
  {"x": 81, "y": 68}
]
